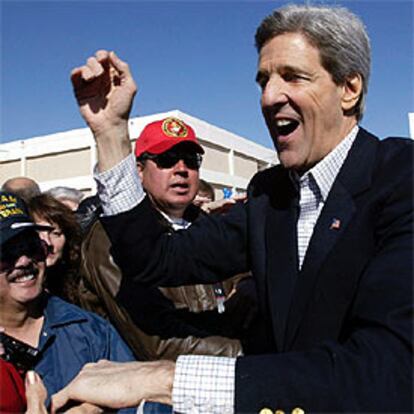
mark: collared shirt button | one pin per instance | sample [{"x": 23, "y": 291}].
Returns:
[
  {"x": 44, "y": 334},
  {"x": 188, "y": 403},
  {"x": 298, "y": 410},
  {"x": 207, "y": 407},
  {"x": 265, "y": 411}
]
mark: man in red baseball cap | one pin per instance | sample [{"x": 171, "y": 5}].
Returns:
[
  {"x": 168, "y": 159},
  {"x": 165, "y": 322}
]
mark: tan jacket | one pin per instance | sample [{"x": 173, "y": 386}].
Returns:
[{"x": 100, "y": 281}]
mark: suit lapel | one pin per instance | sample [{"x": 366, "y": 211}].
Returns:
[
  {"x": 336, "y": 213},
  {"x": 353, "y": 179}
]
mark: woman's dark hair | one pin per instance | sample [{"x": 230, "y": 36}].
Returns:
[{"x": 62, "y": 279}]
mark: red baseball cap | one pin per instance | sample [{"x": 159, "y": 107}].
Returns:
[{"x": 160, "y": 136}]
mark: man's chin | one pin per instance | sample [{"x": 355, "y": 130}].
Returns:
[
  {"x": 181, "y": 199},
  {"x": 288, "y": 159},
  {"x": 51, "y": 261},
  {"x": 181, "y": 203},
  {"x": 28, "y": 294}
]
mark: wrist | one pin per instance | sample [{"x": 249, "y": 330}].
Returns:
[{"x": 161, "y": 391}]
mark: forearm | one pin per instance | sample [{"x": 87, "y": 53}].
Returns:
[
  {"x": 118, "y": 385},
  {"x": 113, "y": 144}
]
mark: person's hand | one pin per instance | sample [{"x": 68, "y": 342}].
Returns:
[
  {"x": 218, "y": 206},
  {"x": 104, "y": 89},
  {"x": 119, "y": 385},
  {"x": 36, "y": 394},
  {"x": 223, "y": 205},
  {"x": 200, "y": 200}
]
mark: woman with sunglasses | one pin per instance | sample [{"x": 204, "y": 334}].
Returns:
[{"x": 58, "y": 338}]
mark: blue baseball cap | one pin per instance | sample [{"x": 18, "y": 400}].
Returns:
[{"x": 14, "y": 217}]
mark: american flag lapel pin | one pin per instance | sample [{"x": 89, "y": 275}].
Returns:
[{"x": 335, "y": 224}]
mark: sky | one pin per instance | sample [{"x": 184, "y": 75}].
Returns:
[{"x": 194, "y": 56}]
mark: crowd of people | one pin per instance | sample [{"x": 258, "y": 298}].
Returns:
[
  {"x": 151, "y": 296},
  {"x": 70, "y": 264}
]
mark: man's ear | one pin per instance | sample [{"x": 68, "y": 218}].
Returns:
[
  {"x": 351, "y": 92},
  {"x": 140, "y": 168}
]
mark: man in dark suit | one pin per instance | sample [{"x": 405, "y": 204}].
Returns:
[{"x": 327, "y": 234}]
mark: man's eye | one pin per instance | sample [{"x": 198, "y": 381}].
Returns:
[
  {"x": 262, "y": 81},
  {"x": 292, "y": 77}
]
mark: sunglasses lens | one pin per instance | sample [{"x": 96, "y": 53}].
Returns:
[
  {"x": 169, "y": 159},
  {"x": 166, "y": 160},
  {"x": 40, "y": 251},
  {"x": 33, "y": 248},
  {"x": 193, "y": 161}
]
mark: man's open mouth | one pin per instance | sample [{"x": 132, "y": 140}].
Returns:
[
  {"x": 24, "y": 276},
  {"x": 286, "y": 126}
]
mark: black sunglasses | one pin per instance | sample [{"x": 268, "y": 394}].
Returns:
[
  {"x": 32, "y": 247},
  {"x": 170, "y": 158}
]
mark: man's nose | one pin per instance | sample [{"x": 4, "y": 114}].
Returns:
[
  {"x": 45, "y": 236},
  {"x": 274, "y": 93},
  {"x": 23, "y": 261},
  {"x": 180, "y": 167}
]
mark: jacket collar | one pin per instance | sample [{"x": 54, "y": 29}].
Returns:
[{"x": 58, "y": 312}]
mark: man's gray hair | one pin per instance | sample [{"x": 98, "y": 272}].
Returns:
[
  {"x": 66, "y": 193},
  {"x": 339, "y": 35}
]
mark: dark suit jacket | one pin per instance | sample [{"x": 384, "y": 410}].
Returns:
[{"x": 335, "y": 337}]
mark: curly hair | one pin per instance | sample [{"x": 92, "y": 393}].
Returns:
[{"x": 62, "y": 279}]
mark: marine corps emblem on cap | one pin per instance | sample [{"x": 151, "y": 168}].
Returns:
[{"x": 174, "y": 127}]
